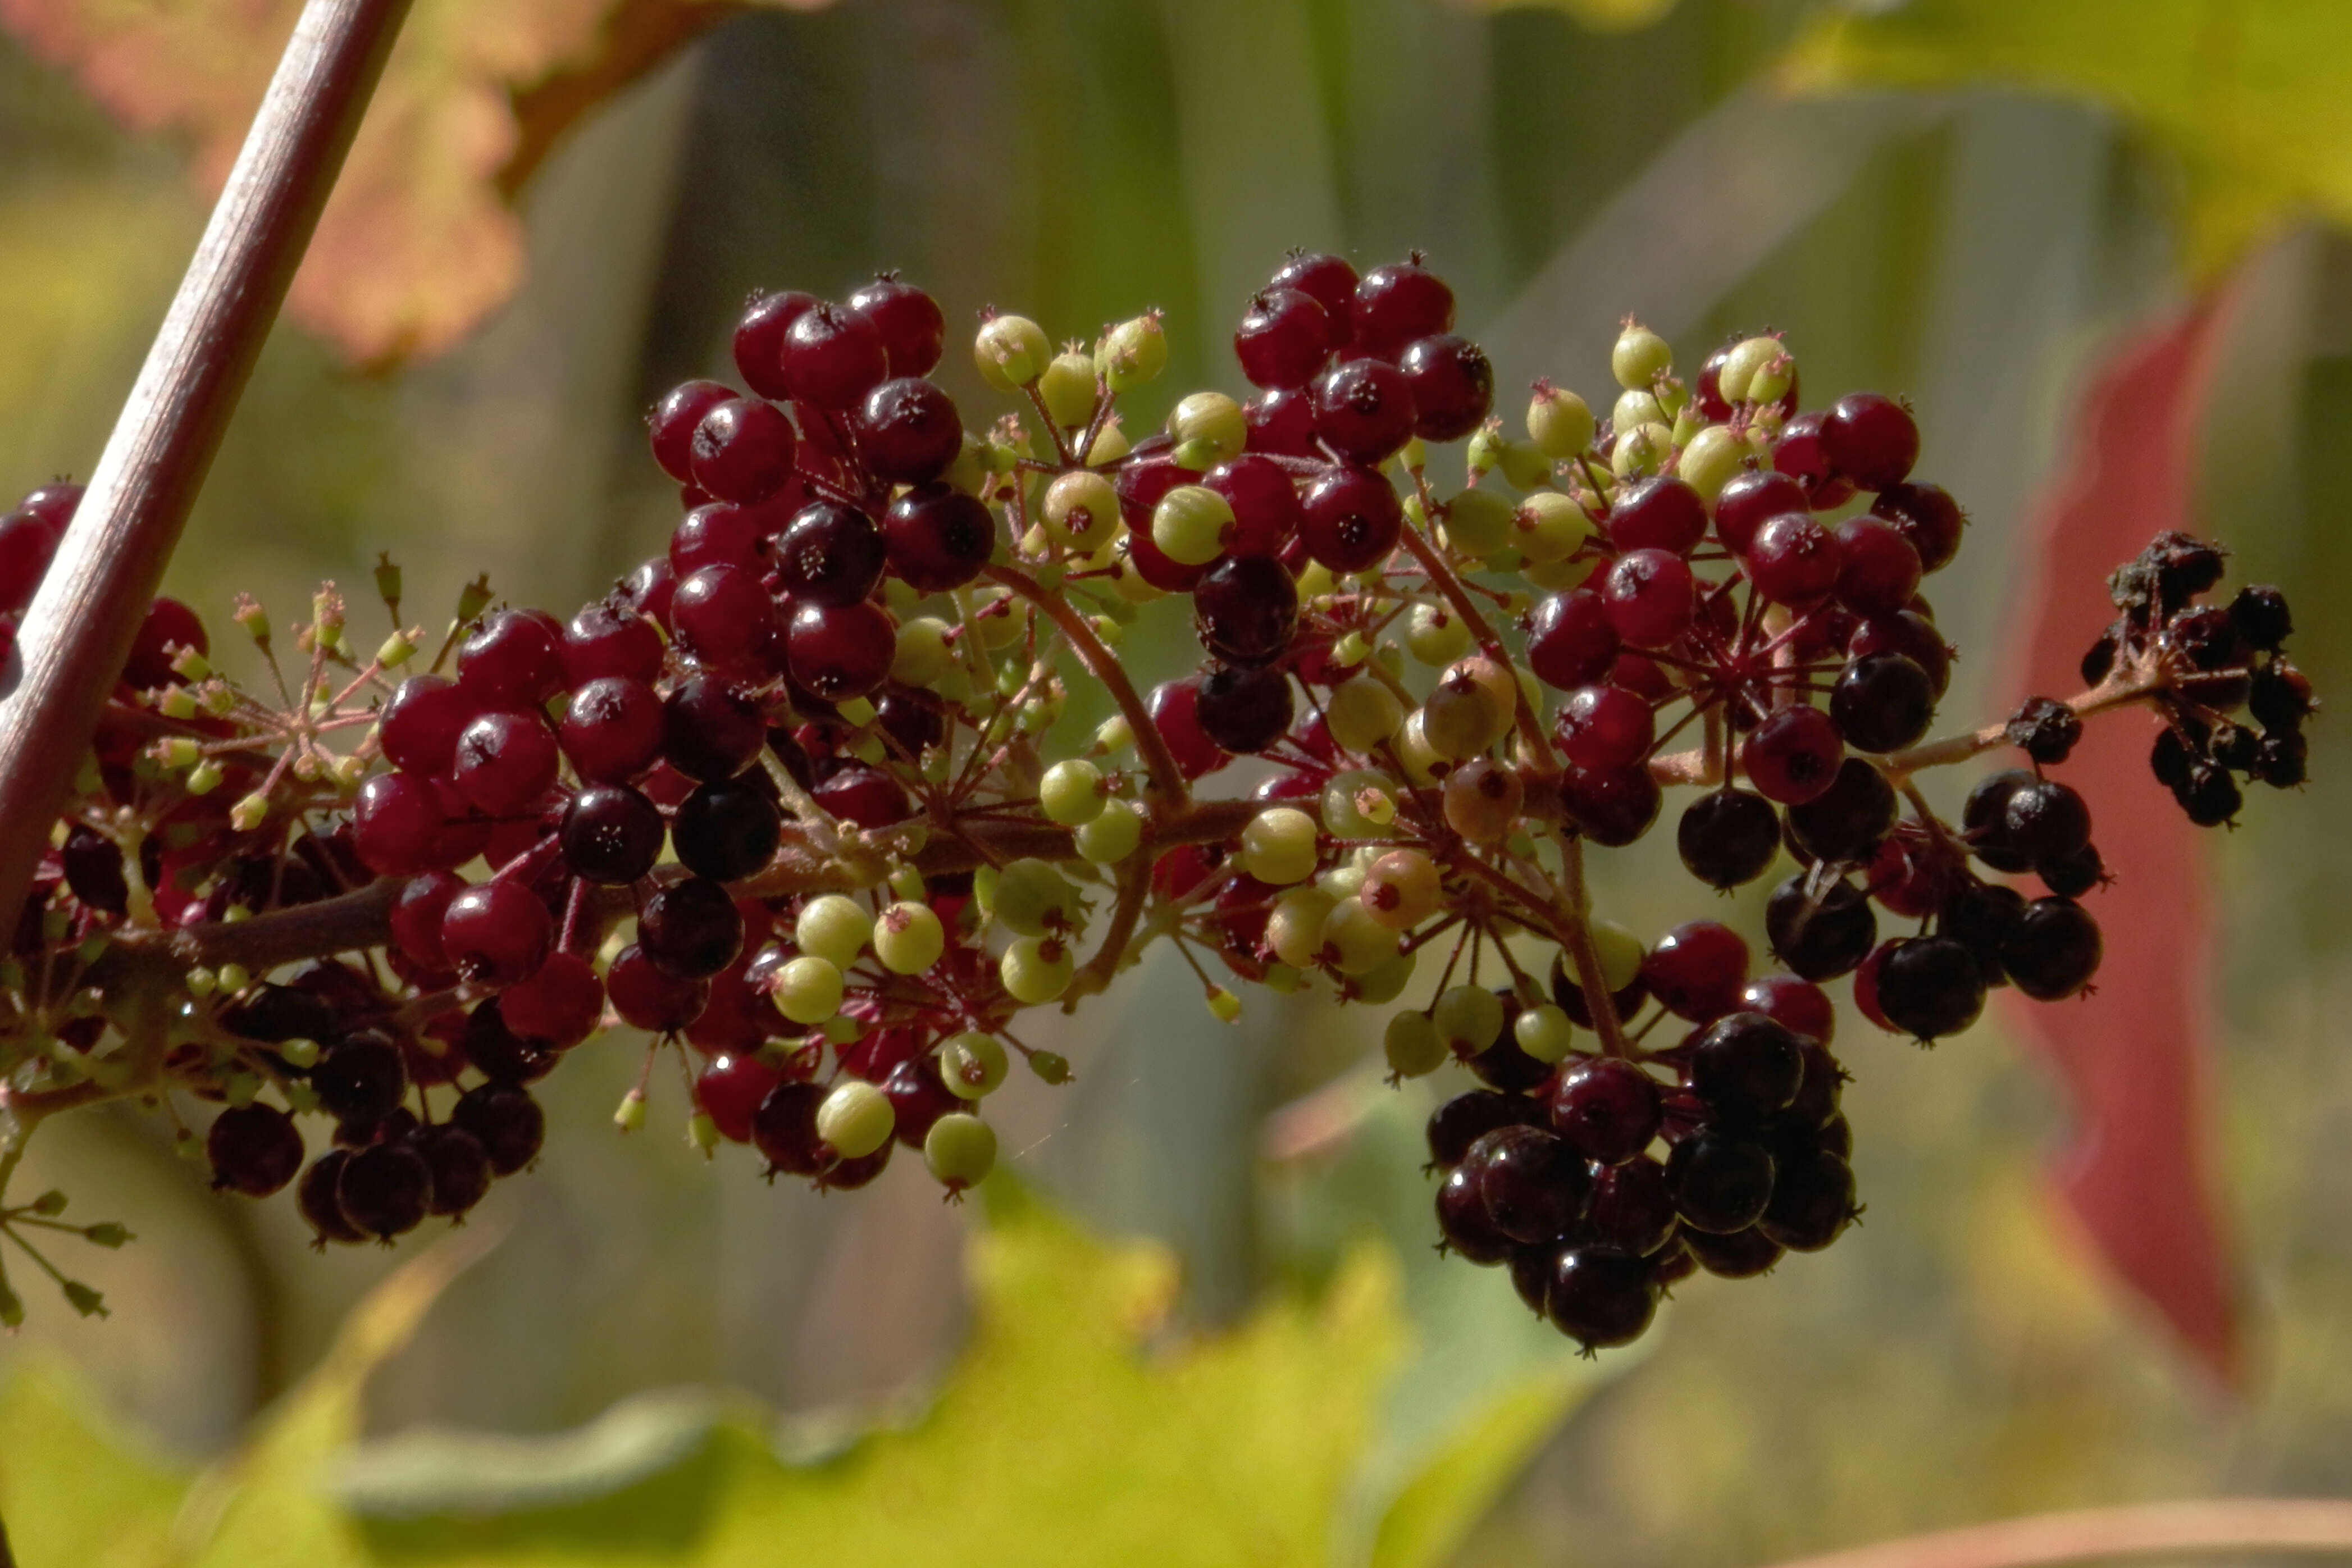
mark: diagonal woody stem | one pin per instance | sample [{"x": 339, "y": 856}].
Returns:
[
  {"x": 81, "y": 623},
  {"x": 2219, "y": 1525}
]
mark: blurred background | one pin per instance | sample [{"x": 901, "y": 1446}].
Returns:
[{"x": 1960, "y": 1357}]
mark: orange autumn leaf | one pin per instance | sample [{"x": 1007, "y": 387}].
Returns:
[{"x": 420, "y": 241}]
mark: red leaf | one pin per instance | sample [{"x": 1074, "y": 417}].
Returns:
[{"x": 2138, "y": 1175}]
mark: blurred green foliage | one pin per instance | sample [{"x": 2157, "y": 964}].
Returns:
[{"x": 1079, "y": 160}]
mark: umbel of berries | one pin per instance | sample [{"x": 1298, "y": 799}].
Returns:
[{"x": 799, "y": 804}]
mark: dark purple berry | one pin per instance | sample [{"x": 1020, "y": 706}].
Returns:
[
  {"x": 727, "y": 831},
  {"x": 1462, "y": 1221},
  {"x": 1729, "y": 837},
  {"x": 913, "y": 327},
  {"x": 1739, "y": 1255},
  {"x": 254, "y": 1149},
  {"x": 938, "y": 538},
  {"x": 1929, "y": 987},
  {"x": 1882, "y": 702},
  {"x": 1284, "y": 339},
  {"x": 1721, "y": 1182},
  {"x": 1601, "y": 1297},
  {"x": 1812, "y": 1202},
  {"x": 1820, "y": 932},
  {"x": 506, "y": 1120},
  {"x": 1845, "y": 822},
  {"x": 1463, "y": 1119},
  {"x": 1244, "y": 709},
  {"x": 611, "y": 835},
  {"x": 1606, "y": 1108},
  {"x": 2053, "y": 949},
  {"x": 1245, "y": 609},
  {"x": 315, "y": 1197},
  {"x": 909, "y": 432},
  {"x": 1452, "y": 384},
  {"x": 1632, "y": 1207},
  {"x": 384, "y": 1190},
  {"x": 690, "y": 929}
]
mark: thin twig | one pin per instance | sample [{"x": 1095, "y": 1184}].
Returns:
[
  {"x": 2221, "y": 1525},
  {"x": 79, "y": 628}
]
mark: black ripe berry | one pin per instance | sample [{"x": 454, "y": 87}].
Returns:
[
  {"x": 1600, "y": 1297},
  {"x": 1745, "y": 1066},
  {"x": 507, "y": 1121},
  {"x": 1882, "y": 702},
  {"x": 386, "y": 1189},
  {"x": 1721, "y": 1182},
  {"x": 1820, "y": 932},
  {"x": 254, "y": 1149},
  {"x": 1729, "y": 837},
  {"x": 1466, "y": 1118},
  {"x": 361, "y": 1079},
  {"x": 1930, "y": 986},
  {"x": 2046, "y": 730},
  {"x": 1463, "y": 1227},
  {"x": 315, "y": 1197},
  {"x": 2054, "y": 949},
  {"x": 459, "y": 1167},
  {"x": 1813, "y": 1201},
  {"x": 1845, "y": 822},
  {"x": 1606, "y": 1107},
  {"x": 1734, "y": 1255},
  {"x": 1244, "y": 709},
  {"x": 728, "y": 830},
  {"x": 1534, "y": 1186}
]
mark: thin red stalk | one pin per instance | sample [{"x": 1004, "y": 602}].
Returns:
[
  {"x": 79, "y": 627},
  {"x": 2222, "y": 1524}
]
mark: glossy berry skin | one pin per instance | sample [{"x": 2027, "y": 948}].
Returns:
[
  {"x": 913, "y": 328},
  {"x": 743, "y": 450},
  {"x": 1395, "y": 304},
  {"x": 315, "y": 1198},
  {"x": 690, "y": 929},
  {"x": 1721, "y": 1182},
  {"x": 1600, "y": 1297},
  {"x": 397, "y": 825},
  {"x": 1794, "y": 756},
  {"x": 1799, "y": 1005},
  {"x": 1911, "y": 635},
  {"x": 1871, "y": 439},
  {"x": 169, "y": 625},
  {"x": 833, "y": 356},
  {"x": 723, "y": 617},
  {"x": 785, "y": 1129},
  {"x": 1605, "y": 728},
  {"x": 1266, "y": 509},
  {"x": 1243, "y": 710},
  {"x": 720, "y": 534},
  {"x": 1660, "y": 512},
  {"x": 727, "y": 831},
  {"x": 506, "y": 1120},
  {"x": 384, "y": 1190},
  {"x": 1175, "y": 712},
  {"x": 1736, "y": 1255},
  {"x": 360, "y": 1078},
  {"x": 649, "y": 998},
  {"x": 758, "y": 345},
  {"x": 2053, "y": 950},
  {"x": 1745, "y": 1066},
  {"x": 1245, "y": 610},
  {"x": 2045, "y": 820},
  {"x": 918, "y": 1100},
  {"x": 505, "y": 762},
  {"x": 514, "y": 658},
  {"x": 1878, "y": 568},
  {"x": 708, "y": 730},
  {"x": 938, "y": 538},
  {"x": 1612, "y": 807},
  {"x": 1282, "y": 424},
  {"x": 495, "y": 934},
  {"x": 1794, "y": 561},
  {"x": 253, "y": 1149},
  {"x": 1929, "y": 518},
  {"x": 612, "y": 730},
  {"x": 1800, "y": 454},
  {"x": 1453, "y": 385},
  {"x": 608, "y": 641},
  {"x": 1463, "y": 1119},
  {"x": 1463, "y": 1223},
  {"x": 1650, "y": 596},
  {"x": 1883, "y": 703},
  {"x": 558, "y": 1006},
  {"x": 673, "y": 420},
  {"x": 422, "y": 721},
  {"x": 1813, "y": 1201},
  {"x": 611, "y": 835},
  {"x": 840, "y": 651},
  {"x": 1696, "y": 970},
  {"x": 1606, "y": 1108},
  {"x": 864, "y": 797},
  {"x": 1751, "y": 499},
  {"x": 456, "y": 1167},
  {"x": 1534, "y": 1186},
  {"x": 1328, "y": 281},
  {"x": 1350, "y": 520},
  {"x": 1729, "y": 837},
  {"x": 1364, "y": 411},
  {"x": 730, "y": 1092},
  {"x": 1283, "y": 340},
  {"x": 909, "y": 431},
  {"x": 1928, "y": 987},
  {"x": 1632, "y": 1207},
  {"x": 1571, "y": 642},
  {"x": 1819, "y": 934},
  {"x": 1845, "y": 821},
  {"x": 829, "y": 554}
]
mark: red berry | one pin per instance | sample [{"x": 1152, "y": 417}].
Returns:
[
  {"x": 612, "y": 730},
  {"x": 397, "y": 825},
  {"x": 1800, "y": 454},
  {"x": 1649, "y": 596},
  {"x": 829, "y": 554},
  {"x": 417, "y": 912},
  {"x": 1328, "y": 281},
  {"x": 1281, "y": 423},
  {"x": 1658, "y": 513},
  {"x": 938, "y": 538},
  {"x": 785, "y": 1129},
  {"x": 1878, "y": 570},
  {"x": 505, "y": 762},
  {"x": 1697, "y": 970},
  {"x": 909, "y": 431},
  {"x": 497, "y": 932},
  {"x": 1794, "y": 756},
  {"x": 708, "y": 730},
  {"x": 720, "y": 534},
  {"x": 1364, "y": 410},
  {"x": 743, "y": 450},
  {"x": 422, "y": 721},
  {"x": 841, "y": 651},
  {"x": 170, "y": 625},
  {"x": 1749, "y": 499},
  {"x": 650, "y": 999},
  {"x": 1174, "y": 707},
  {"x": 608, "y": 641},
  {"x": 730, "y": 1092},
  {"x": 1606, "y": 1107},
  {"x": 1913, "y": 635},
  {"x": 1799, "y": 1005},
  {"x": 1350, "y": 520},
  {"x": 834, "y": 356},
  {"x": 1395, "y": 304},
  {"x": 1571, "y": 642},
  {"x": 1612, "y": 807},
  {"x": 760, "y": 341},
  {"x": 1794, "y": 561},
  {"x": 1871, "y": 439},
  {"x": 724, "y": 618},
  {"x": 913, "y": 328},
  {"x": 1284, "y": 339},
  {"x": 1453, "y": 385},
  {"x": 1605, "y": 729},
  {"x": 513, "y": 659},
  {"x": 1929, "y": 518},
  {"x": 1266, "y": 510},
  {"x": 672, "y": 422},
  {"x": 559, "y": 1004},
  {"x": 864, "y": 797}
]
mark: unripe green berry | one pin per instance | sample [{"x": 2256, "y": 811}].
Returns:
[
  {"x": 1435, "y": 634},
  {"x": 1708, "y": 461},
  {"x": 1011, "y": 351},
  {"x": 1189, "y": 524},
  {"x": 1036, "y": 970},
  {"x": 1545, "y": 1033},
  {"x": 630, "y": 1115},
  {"x": 1620, "y": 952},
  {"x": 1558, "y": 423},
  {"x": 834, "y": 926},
  {"x": 1359, "y": 803},
  {"x": 1477, "y": 523},
  {"x": 1639, "y": 357},
  {"x": 1469, "y": 1019},
  {"x": 1524, "y": 465},
  {"x": 1212, "y": 421},
  {"x": 1641, "y": 451},
  {"x": 1484, "y": 452},
  {"x": 1549, "y": 526},
  {"x": 1032, "y": 899},
  {"x": 1635, "y": 409},
  {"x": 959, "y": 1150},
  {"x": 1293, "y": 926},
  {"x": 1223, "y": 1005},
  {"x": 1361, "y": 713},
  {"x": 1402, "y": 889},
  {"x": 972, "y": 1065},
  {"x": 923, "y": 654},
  {"x": 1355, "y": 943},
  {"x": 909, "y": 938},
  {"x": 1068, "y": 388},
  {"x": 1133, "y": 353},
  {"x": 1115, "y": 833},
  {"x": 807, "y": 989},
  {"x": 1414, "y": 752},
  {"x": 855, "y": 1118},
  {"x": 1050, "y": 1067},
  {"x": 1280, "y": 845},
  {"x": 1737, "y": 380},
  {"x": 1411, "y": 1045},
  {"x": 1465, "y": 713},
  {"x": 1081, "y": 510},
  {"x": 1383, "y": 983},
  {"x": 1071, "y": 793}
]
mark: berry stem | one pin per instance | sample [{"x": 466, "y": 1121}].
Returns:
[
  {"x": 1167, "y": 778},
  {"x": 79, "y": 627},
  {"x": 2244, "y": 1524},
  {"x": 1576, "y": 936},
  {"x": 1096, "y": 973},
  {"x": 1433, "y": 567}
]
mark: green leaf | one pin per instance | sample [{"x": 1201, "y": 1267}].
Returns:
[
  {"x": 1600, "y": 15},
  {"x": 2249, "y": 98},
  {"x": 71, "y": 1490}
]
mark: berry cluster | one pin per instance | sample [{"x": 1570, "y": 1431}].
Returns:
[{"x": 795, "y": 799}]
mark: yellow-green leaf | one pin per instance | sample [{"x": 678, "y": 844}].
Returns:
[
  {"x": 1600, "y": 15},
  {"x": 2249, "y": 96},
  {"x": 71, "y": 1490}
]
